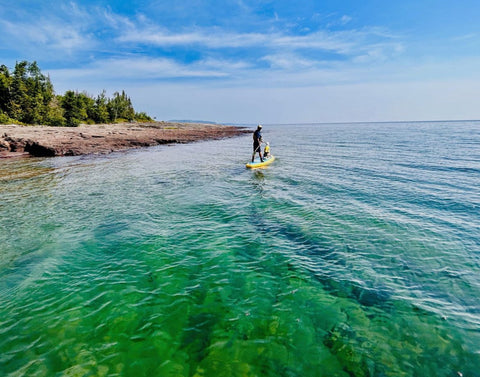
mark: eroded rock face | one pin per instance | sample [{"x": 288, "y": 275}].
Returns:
[
  {"x": 41, "y": 141},
  {"x": 13, "y": 144},
  {"x": 4, "y": 145},
  {"x": 35, "y": 149}
]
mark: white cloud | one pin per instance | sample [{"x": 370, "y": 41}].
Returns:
[
  {"x": 65, "y": 30},
  {"x": 286, "y": 70},
  {"x": 349, "y": 42},
  {"x": 90, "y": 33},
  {"x": 54, "y": 34},
  {"x": 289, "y": 62},
  {"x": 341, "y": 42},
  {"x": 121, "y": 71},
  {"x": 345, "y": 19},
  {"x": 378, "y": 53},
  {"x": 464, "y": 37},
  {"x": 212, "y": 38}
]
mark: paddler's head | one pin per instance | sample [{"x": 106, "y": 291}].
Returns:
[{"x": 259, "y": 127}]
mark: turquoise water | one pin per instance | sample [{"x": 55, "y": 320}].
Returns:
[{"x": 356, "y": 253}]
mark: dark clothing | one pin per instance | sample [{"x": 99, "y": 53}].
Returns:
[{"x": 257, "y": 139}]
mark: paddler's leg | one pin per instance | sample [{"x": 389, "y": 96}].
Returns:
[{"x": 255, "y": 148}]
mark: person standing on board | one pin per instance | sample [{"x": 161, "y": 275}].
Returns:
[{"x": 257, "y": 142}]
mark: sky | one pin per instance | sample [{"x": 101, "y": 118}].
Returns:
[{"x": 258, "y": 61}]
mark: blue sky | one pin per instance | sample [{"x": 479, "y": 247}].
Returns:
[{"x": 243, "y": 61}]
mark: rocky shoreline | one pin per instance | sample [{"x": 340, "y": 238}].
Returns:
[{"x": 43, "y": 141}]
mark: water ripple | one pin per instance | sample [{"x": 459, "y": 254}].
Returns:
[{"x": 360, "y": 260}]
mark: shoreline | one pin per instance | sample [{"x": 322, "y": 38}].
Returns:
[{"x": 46, "y": 141}]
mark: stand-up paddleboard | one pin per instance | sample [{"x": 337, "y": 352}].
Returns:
[{"x": 258, "y": 164}]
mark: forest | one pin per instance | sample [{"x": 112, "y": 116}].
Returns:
[{"x": 27, "y": 97}]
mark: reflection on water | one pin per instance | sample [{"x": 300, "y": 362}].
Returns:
[
  {"x": 258, "y": 181},
  {"x": 21, "y": 169}
]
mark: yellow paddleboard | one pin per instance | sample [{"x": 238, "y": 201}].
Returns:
[{"x": 258, "y": 164}]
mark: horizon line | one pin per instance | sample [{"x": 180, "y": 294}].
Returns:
[{"x": 353, "y": 122}]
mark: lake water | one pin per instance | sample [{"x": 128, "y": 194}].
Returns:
[{"x": 356, "y": 253}]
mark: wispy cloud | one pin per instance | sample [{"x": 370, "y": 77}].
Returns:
[
  {"x": 58, "y": 33},
  {"x": 345, "y": 19},
  {"x": 145, "y": 69},
  {"x": 464, "y": 37},
  {"x": 289, "y": 62},
  {"x": 115, "y": 47},
  {"x": 208, "y": 37},
  {"x": 278, "y": 57},
  {"x": 344, "y": 42},
  {"x": 99, "y": 33}
]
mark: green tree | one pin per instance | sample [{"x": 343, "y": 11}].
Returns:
[
  {"x": 72, "y": 108},
  {"x": 101, "y": 114},
  {"x": 86, "y": 105},
  {"x": 5, "y": 119},
  {"x": 143, "y": 117},
  {"x": 54, "y": 116},
  {"x": 28, "y": 96},
  {"x": 5, "y": 84},
  {"x": 40, "y": 93},
  {"x": 18, "y": 92},
  {"x": 120, "y": 107}
]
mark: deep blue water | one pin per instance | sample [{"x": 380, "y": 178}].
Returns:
[{"x": 356, "y": 253}]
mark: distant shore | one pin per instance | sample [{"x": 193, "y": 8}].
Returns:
[{"x": 44, "y": 141}]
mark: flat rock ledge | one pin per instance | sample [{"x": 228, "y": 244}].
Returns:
[{"x": 43, "y": 141}]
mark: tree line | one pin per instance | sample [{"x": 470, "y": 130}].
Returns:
[{"x": 27, "y": 96}]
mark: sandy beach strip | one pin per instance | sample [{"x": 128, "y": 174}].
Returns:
[{"x": 43, "y": 141}]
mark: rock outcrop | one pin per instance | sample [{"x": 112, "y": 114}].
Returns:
[{"x": 42, "y": 141}]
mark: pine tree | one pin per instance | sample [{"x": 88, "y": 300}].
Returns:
[
  {"x": 5, "y": 84},
  {"x": 40, "y": 93},
  {"x": 27, "y": 96},
  {"x": 18, "y": 92},
  {"x": 72, "y": 109},
  {"x": 100, "y": 114},
  {"x": 120, "y": 107},
  {"x": 54, "y": 116}
]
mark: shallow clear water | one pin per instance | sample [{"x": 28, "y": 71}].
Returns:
[{"x": 356, "y": 253}]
